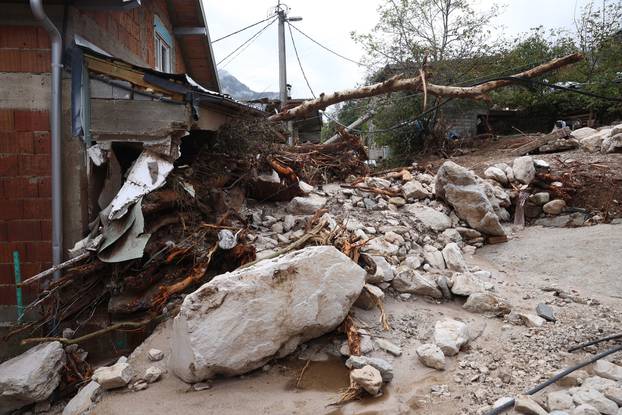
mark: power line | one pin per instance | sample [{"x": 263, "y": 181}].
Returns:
[
  {"x": 248, "y": 41},
  {"x": 326, "y": 48},
  {"x": 304, "y": 75},
  {"x": 243, "y": 29}
]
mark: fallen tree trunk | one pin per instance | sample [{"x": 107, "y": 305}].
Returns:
[{"x": 395, "y": 84}]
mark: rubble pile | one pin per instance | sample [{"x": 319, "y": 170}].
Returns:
[{"x": 269, "y": 273}]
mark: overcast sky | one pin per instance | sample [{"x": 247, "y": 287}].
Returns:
[{"x": 330, "y": 22}]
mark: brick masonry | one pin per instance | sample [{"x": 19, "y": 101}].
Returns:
[
  {"x": 25, "y": 164},
  {"x": 25, "y": 216}
]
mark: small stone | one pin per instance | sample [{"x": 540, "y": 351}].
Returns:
[
  {"x": 415, "y": 190},
  {"x": 585, "y": 409},
  {"x": 288, "y": 222},
  {"x": 84, "y": 401},
  {"x": 608, "y": 370},
  {"x": 278, "y": 228},
  {"x": 496, "y": 174},
  {"x": 450, "y": 335},
  {"x": 539, "y": 198},
  {"x": 546, "y": 312},
  {"x": 524, "y": 169},
  {"x": 412, "y": 282},
  {"x": 201, "y": 386},
  {"x": 384, "y": 367},
  {"x": 112, "y": 377},
  {"x": 482, "y": 302},
  {"x": 388, "y": 347},
  {"x": 155, "y": 355},
  {"x": 560, "y": 400},
  {"x": 615, "y": 394},
  {"x": 554, "y": 207},
  {"x": 467, "y": 284},
  {"x": 432, "y": 356},
  {"x": 370, "y": 297},
  {"x": 140, "y": 385},
  {"x": 368, "y": 378},
  {"x": 68, "y": 333},
  {"x": 531, "y": 320},
  {"x": 397, "y": 201},
  {"x": 526, "y": 405},
  {"x": 598, "y": 383},
  {"x": 596, "y": 399},
  {"x": 152, "y": 374},
  {"x": 453, "y": 258}
]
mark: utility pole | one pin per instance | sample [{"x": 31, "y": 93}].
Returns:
[{"x": 281, "y": 10}]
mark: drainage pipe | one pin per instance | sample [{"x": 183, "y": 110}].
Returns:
[{"x": 55, "y": 129}]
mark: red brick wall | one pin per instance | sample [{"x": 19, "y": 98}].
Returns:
[
  {"x": 25, "y": 207},
  {"x": 132, "y": 30},
  {"x": 24, "y": 49},
  {"x": 25, "y": 215}
]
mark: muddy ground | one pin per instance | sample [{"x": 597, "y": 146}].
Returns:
[{"x": 501, "y": 360}]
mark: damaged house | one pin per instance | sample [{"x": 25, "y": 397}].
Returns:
[{"x": 132, "y": 85}]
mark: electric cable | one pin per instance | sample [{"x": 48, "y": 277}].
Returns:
[
  {"x": 510, "y": 403},
  {"x": 327, "y": 48},
  {"x": 248, "y": 41},
  {"x": 243, "y": 29},
  {"x": 304, "y": 75}
]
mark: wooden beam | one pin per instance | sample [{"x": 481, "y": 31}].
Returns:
[{"x": 126, "y": 73}]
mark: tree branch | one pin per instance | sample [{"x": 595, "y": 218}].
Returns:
[{"x": 395, "y": 84}]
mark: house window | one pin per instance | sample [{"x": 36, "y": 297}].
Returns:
[
  {"x": 163, "y": 46},
  {"x": 163, "y": 54}
]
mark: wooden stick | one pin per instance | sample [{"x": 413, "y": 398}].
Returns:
[
  {"x": 302, "y": 373},
  {"x": 52, "y": 270},
  {"x": 396, "y": 84},
  {"x": 77, "y": 340}
]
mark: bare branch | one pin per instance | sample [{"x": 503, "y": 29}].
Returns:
[{"x": 395, "y": 84}]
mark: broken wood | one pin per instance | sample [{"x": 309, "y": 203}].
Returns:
[
  {"x": 354, "y": 341},
  {"x": 540, "y": 141},
  {"x": 55, "y": 268},
  {"x": 78, "y": 340},
  {"x": 396, "y": 84}
]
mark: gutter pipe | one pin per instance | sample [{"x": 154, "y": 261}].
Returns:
[{"x": 55, "y": 129}]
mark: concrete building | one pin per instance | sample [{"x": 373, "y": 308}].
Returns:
[{"x": 138, "y": 77}]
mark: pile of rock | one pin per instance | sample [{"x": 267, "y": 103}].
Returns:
[
  {"x": 539, "y": 205},
  {"x": 604, "y": 139},
  {"x": 583, "y": 395}
]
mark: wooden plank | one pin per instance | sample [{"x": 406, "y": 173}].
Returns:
[
  {"x": 126, "y": 73},
  {"x": 540, "y": 141}
]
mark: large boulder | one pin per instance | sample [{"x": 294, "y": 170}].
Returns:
[
  {"x": 613, "y": 142},
  {"x": 30, "y": 377},
  {"x": 581, "y": 133},
  {"x": 594, "y": 142},
  {"x": 240, "y": 320},
  {"x": 466, "y": 193}
]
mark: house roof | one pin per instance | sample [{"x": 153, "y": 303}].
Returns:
[{"x": 190, "y": 29}]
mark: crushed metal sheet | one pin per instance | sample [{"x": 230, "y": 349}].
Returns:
[
  {"x": 147, "y": 174},
  {"x": 124, "y": 238}
]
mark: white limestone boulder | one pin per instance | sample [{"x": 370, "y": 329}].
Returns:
[
  {"x": 471, "y": 199},
  {"x": 240, "y": 320},
  {"x": 30, "y": 377},
  {"x": 450, "y": 335}
]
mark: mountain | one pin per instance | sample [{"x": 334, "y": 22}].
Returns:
[{"x": 231, "y": 85}]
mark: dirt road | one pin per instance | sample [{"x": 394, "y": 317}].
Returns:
[{"x": 503, "y": 359}]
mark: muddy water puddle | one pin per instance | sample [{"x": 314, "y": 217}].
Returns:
[{"x": 326, "y": 376}]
